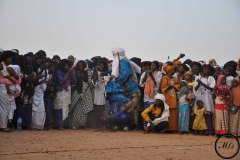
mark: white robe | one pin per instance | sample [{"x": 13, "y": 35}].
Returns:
[
  {"x": 204, "y": 94},
  {"x": 62, "y": 101},
  {"x": 4, "y": 106},
  {"x": 38, "y": 107}
]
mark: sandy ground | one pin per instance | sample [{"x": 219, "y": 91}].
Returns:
[{"x": 89, "y": 144}]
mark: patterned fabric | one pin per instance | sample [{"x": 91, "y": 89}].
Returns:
[
  {"x": 199, "y": 121},
  {"x": 183, "y": 118},
  {"x": 80, "y": 106},
  {"x": 149, "y": 86},
  {"x": 221, "y": 114},
  {"x": 234, "y": 123}
]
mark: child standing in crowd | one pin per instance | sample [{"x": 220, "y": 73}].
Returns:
[
  {"x": 222, "y": 97},
  {"x": 234, "y": 120},
  {"x": 190, "y": 80},
  {"x": 199, "y": 124},
  {"x": 183, "y": 109}
]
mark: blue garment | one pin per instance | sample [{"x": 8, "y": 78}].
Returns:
[
  {"x": 58, "y": 118},
  {"x": 26, "y": 115},
  {"x": 209, "y": 122},
  {"x": 59, "y": 76},
  {"x": 183, "y": 118},
  {"x": 121, "y": 119},
  {"x": 125, "y": 70},
  {"x": 114, "y": 89},
  {"x": 116, "y": 96}
]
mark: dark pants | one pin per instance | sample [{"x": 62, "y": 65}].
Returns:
[
  {"x": 161, "y": 126},
  {"x": 48, "y": 100},
  {"x": 58, "y": 118},
  {"x": 209, "y": 122}
]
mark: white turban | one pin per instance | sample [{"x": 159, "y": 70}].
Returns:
[
  {"x": 17, "y": 69},
  {"x": 118, "y": 54},
  {"x": 161, "y": 97},
  {"x": 118, "y": 51},
  {"x": 165, "y": 113}
]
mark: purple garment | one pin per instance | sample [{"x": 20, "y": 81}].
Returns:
[{"x": 59, "y": 77}]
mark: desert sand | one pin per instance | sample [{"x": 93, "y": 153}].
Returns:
[{"x": 99, "y": 145}]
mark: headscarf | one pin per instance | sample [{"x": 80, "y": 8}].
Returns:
[
  {"x": 219, "y": 82},
  {"x": 160, "y": 97},
  {"x": 118, "y": 54},
  {"x": 116, "y": 58},
  {"x": 17, "y": 69},
  {"x": 169, "y": 68},
  {"x": 165, "y": 113},
  {"x": 177, "y": 63}
]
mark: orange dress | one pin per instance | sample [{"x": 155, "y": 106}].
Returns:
[
  {"x": 171, "y": 100},
  {"x": 236, "y": 96}
]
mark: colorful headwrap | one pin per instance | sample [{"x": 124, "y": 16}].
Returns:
[
  {"x": 169, "y": 68},
  {"x": 177, "y": 63},
  {"x": 219, "y": 82}
]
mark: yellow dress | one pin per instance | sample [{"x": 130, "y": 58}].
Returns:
[{"x": 199, "y": 121}]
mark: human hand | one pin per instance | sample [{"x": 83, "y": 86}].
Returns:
[
  {"x": 199, "y": 81},
  {"x": 152, "y": 123},
  {"x": 181, "y": 55}
]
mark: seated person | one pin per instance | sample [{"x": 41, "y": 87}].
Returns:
[{"x": 156, "y": 115}]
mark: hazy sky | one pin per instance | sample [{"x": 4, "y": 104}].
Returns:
[{"x": 149, "y": 29}]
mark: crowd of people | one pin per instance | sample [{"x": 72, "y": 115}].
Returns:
[{"x": 196, "y": 97}]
